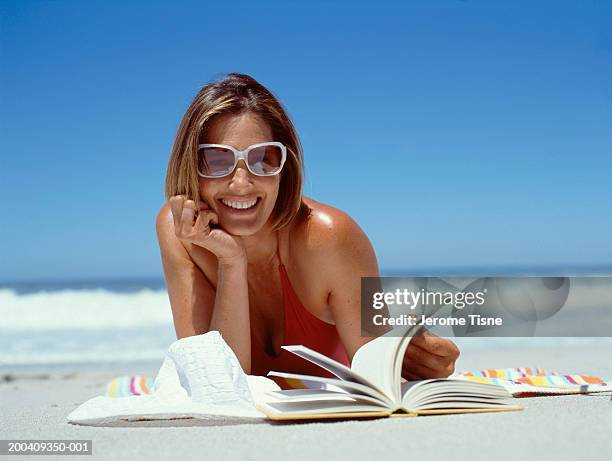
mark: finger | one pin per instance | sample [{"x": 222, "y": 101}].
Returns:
[
  {"x": 424, "y": 372},
  {"x": 203, "y": 205},
  {"x": 419, "y": 337},
  {"x": 441, "y": 347},
  {"x": 415, "y": 354},
  {"x": 428, "y": 364},
  {"x": 410, "y": 376},
  {"x": 416, "y": 370},
  {"x": 187, "y": 217},
  {"x": 202, "y": 224},
  {"x": 214, "y": 217},
  {"x": 434, "y": 344},
  {"x": 176, "y": 207},
  {"x": 191, "y": 204}
]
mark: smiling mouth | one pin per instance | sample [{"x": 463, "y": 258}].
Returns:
[{"x": 241, "y": 206}]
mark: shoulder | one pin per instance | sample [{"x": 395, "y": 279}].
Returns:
[
  {"x": 325, "y": 224},
  {"x": 328, "y": 235}
]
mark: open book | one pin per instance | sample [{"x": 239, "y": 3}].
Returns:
[{"x": 373, "y": 387}]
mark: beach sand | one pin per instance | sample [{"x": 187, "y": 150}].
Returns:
[{"x": 35, "y": 405}]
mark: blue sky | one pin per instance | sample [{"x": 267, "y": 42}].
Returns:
[{"x": 489, "y": 123}]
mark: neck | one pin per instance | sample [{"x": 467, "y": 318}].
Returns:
[{"x": 261, "y": 247}]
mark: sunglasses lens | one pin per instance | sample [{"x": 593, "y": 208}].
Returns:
[
  {"x": 215, "y": 161},
  {"x": 265, "y": 160}
]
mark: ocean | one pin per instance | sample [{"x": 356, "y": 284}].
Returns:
[
  {"x": 101, "y": 321},
  {"x": 54, "y": 323}
]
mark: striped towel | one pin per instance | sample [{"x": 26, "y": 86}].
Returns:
[
  {"x": 125, "y": 386},
  {"x": 536, "y": 377}
]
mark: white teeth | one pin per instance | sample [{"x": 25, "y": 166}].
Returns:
[{"x": 239, "y": 205}]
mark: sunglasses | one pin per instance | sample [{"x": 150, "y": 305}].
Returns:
[{"x": 263, "y": 159}]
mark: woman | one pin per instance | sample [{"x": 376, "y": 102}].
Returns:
[{"x": 245, "y": 253}]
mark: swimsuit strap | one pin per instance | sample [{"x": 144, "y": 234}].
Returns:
[{"x": 280, "y": 262}]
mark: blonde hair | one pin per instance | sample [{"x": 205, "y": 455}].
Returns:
[{"x": 237, "y": 94}]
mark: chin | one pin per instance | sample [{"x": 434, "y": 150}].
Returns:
[{"x": 241, "y": 231}]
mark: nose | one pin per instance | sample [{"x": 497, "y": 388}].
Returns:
[{"x": 241, "y": 179}]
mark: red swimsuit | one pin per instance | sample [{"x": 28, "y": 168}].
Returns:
[{"x": 301, "y": 327}]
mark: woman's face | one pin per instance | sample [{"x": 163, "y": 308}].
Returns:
[{"x": 240, "y": 132}]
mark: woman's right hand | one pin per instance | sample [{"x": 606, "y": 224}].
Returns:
[{"x": 226, "y": 247}]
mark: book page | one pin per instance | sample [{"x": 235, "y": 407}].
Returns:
[
  {"x": 319, "y": 407},
  {"x": 347, "y": 386},
  {"x": 340, "y": 370},
  {"x": 453, "y": 393},
  {"x": 378, "y": 361},
  {"x": 306, "y": 395}
]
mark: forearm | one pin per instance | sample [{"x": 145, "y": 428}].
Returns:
[{"x": 230, "y": 315}]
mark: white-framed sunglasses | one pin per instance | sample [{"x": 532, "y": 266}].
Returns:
[{"x": 219, "y": 160}]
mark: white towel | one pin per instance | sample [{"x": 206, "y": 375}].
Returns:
[{"x": 200, "y": 378}]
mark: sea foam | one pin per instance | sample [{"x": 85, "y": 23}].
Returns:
[{"x": 83, "y": 309}]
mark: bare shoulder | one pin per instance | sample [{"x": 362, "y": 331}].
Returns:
[
  {"x": 324, "y": 225},
  {"x": 330, "y": 235}
]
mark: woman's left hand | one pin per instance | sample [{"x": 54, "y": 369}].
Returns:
[{"x": 429, "y": 356}]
